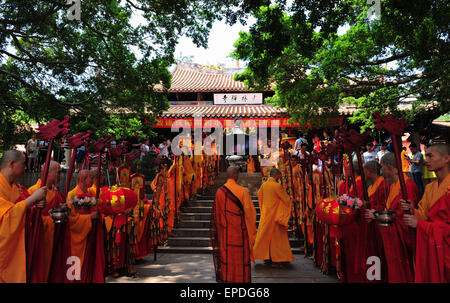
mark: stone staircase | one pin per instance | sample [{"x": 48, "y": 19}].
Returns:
[{"x": 192, "y": 232}]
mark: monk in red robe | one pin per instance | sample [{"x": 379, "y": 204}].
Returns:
[
  {"x": 431, "y": 219},
  {"x": 398, "y": 238},
  {"x": 14, "y": 204},
  {"x": 351, "y": 236},
  {"x": 371, "y": 243},
  {"x": 233, "y": 231},
  {"x": 48, "y": 224}
]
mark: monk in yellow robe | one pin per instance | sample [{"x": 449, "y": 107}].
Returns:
[
  {"x": 49, "y": 226},
  {"x": 80, "y": 224},
  {"x": 233, "y": 231},
  {"x": 272, "y": 241},
  {"x": 436, "y": 162},
  {"x": 188, "y": 177},
  {"x": 171, "y": 190},
  {"x": 431, "y": 220},
  {"x": 13, "y": 208},
  {"x": 251, "y": 165}
]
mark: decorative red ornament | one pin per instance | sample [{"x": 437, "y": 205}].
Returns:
[
  {"x": 101, "y": 144},
  {"x": 54, "y": 129},
  {"x": 116, "y": 200},
  {"x": 387, "y": 122},
  {"x": 79, "y": 140},
  {"x": 331, "y": 212}
]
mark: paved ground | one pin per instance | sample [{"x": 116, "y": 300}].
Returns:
[{"x": 199, "y": 268}]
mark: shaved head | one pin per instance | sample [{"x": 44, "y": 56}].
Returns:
[
  {"x": 442, "y": 149},
  {"x": 10, "y": 155},
  {"x": 373, "y": 166},
  {"x": 233, "y": 173},
  {"x": 274, "y": 172},
  {"x": 389, "y": 159}
]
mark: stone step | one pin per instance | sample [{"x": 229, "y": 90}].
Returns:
[
  {"x": 201, "y": 216},
  {"x": 203, "y": 250},
  {"x": 202, "y": 209},
  {"x": 205, "y": 241},
  {"x": 212, "y": 197},
  {"x": 207, "y": 203},
  {"x": 204, "y": 232}
]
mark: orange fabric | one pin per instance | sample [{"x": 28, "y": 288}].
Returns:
[
  {"x": 272, "y": 241},
  {"x": 171, "y": 195},
  {"x": 433, "y": 192},
  {"x": 49, "y": 229},
  {"x": 405, "y": 163},
  {"x": 251, "y": 165},
  {"x": 12, "y": 234},
  {"x": 80, "y": 226},
  {"x": 249, "y": 209}
]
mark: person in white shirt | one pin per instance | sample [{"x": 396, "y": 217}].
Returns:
[
  {"x": 384, "y": 150},
  {"x": 299, "y": 142},
  {"x": 370, "y": 154},
  {"x": 164, "y": 148}
]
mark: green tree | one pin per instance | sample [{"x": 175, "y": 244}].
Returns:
[
  {"x": 375, "y": 64},
  {"x": 101, "y": 64}
]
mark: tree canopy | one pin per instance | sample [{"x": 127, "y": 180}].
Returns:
[
  {"x": 98, "y": 66},
  {"x": 303, "y": 51}
]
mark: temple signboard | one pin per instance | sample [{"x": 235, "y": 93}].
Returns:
[{"x": 238, "y": 98}]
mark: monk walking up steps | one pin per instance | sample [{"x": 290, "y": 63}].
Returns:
[
  {"x": 272, "y": 242},
  {"x": 233, "y": 231}
]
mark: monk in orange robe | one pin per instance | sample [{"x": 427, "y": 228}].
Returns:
[
  {"x": 49, "y": 226},
  {"x": 13, "y": 208},
  {"x": 171, "y": 189},
  {"x": 233, "y": 231},
  {"x": 80, "y": 224},
  {"x": 431, "y": 219},
  {"x": 397, "y": 238},
  {"x": 251, "y": 165},
  {"x": 188, "y": 177},
  {"x": 272, "y": 241},
  {"x": 370, "y": 243}
]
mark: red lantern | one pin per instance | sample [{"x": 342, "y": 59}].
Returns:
[
  {"x": 331, "y": 212},
  {"x": 116, "y": 200}
]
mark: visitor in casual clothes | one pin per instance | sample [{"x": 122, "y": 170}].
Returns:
[
  {"x": 299, "y": 142},
  {"x": 32, "y": 152},
  {"x": 135, "y": 143},
  {"x": 144, "y": 148},
  {"x": 383, "y": 150},
  {"x": 164, "y": 148},
  {"x": 416, "y": 166},
  {"x": 370, "y": 154}
]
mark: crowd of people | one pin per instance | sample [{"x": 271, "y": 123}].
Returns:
[
  {"x": 414, "y": 247},
  {"x": 413, "y": 163},
  {"x": 36, "y": 151}
]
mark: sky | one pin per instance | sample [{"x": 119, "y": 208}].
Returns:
[{"x": 220, "y": 45}]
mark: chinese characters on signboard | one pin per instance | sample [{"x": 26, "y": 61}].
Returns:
[{"x": 238, "y": 98}]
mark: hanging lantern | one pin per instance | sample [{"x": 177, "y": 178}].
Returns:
[{"x": 116, "y": 200}]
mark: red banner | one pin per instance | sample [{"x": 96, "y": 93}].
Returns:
[{"x": 225, "y": 123}]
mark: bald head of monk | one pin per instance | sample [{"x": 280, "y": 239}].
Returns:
[
  {"x": 233, "y": 173},
  {"x": 12, "y": 165},
  {"x": 53, "y": 174},
  {"x": 389, "y": 166},
  {"x": 438, "y": 159},
  {"x": 275, "y": 173},
  {"x": 372, "y": 171}
]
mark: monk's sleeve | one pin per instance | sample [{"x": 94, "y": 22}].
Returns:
[
  {"x": 422, "y": 209},
  {"x": 79, "y": 224},
  {"x": 260, "y": 199},
  {"x": 250, "y": 217},
  {"x": 284, "y": 210},
  {"x": 12, "y": 216},
  {"x": 12, "y": 241},
  {"x": 284, "y": 197}
]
